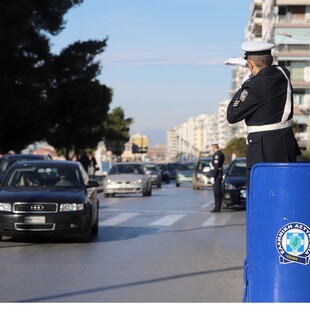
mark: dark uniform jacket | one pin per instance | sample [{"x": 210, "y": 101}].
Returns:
[
  {"x": 265, "y": 99},
  {"x": 217, "y": 163}
]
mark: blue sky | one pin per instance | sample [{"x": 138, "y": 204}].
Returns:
[{"x": 164, "y": 59}]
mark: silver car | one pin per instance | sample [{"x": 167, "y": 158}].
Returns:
[
  {"x": 127, "y": 178},
  {"x": 201, "y": 173},
  {"x": 155, "y": 173}
]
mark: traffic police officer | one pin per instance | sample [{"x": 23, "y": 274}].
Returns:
[
  {"x": 217, "y": 175},
  {"x": 265, "y": 102}
]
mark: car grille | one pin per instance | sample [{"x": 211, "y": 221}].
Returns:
[
  {"x": 34, "y": 227},
  {"x": 36, "y": 207}
]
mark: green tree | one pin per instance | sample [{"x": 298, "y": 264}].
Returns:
[
  {"x": 236, "y": 146},
  {"x": 78, "y": 102},
  {"x": 25, "y": 27},
  {"x": 117, "y": 131}
]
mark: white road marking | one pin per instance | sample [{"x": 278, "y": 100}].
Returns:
[
  {"x": 118, "y": 219},
  {"x": 217, "y": 219},
  {"x": 208, "y": 204},
  {"x": 168, "y": 220}
]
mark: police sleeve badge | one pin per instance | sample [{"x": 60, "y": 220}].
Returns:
[
  {"x": 243, "y": 95},
  {"x": 241, "y": 98}
]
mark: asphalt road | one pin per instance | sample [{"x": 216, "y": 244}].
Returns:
[{"x": 163, "y": 248}]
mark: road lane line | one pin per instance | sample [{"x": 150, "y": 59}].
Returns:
[
  {"x": 208, "y": 204},
  {"x": 218, "y": 219},
  {"x": 118, "y": 219},
  {"x": 168, "y": 220}
]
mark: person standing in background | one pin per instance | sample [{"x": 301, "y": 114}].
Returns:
[{"x": 217, "y": 176}]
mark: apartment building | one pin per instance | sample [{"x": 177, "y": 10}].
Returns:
[{"x": 287, "y": 24}]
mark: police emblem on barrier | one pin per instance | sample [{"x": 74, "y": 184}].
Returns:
[{"x": 292, "y": 243}]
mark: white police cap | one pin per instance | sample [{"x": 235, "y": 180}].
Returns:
[{"x": 257, "y": 48}]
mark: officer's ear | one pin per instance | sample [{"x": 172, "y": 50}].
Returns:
[{"x": 251, "y": 64}]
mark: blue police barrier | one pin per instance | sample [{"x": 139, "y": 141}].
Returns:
[{"x": 276, "y": 268}]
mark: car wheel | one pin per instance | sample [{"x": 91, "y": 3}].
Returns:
[
  {"x": 149, "y": 192},
  {"x": 106, "y": 195},
  {"x": 177, "y": 184},
  {"x": 145, "y": 192},
  {"x": 159, "y": 185},
  {"x": 95, "y": 228}
]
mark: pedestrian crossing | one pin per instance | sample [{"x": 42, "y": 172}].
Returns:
[{"x": 205, "y": 219}]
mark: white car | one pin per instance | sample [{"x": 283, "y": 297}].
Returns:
[
  {"x": 127, "y": 178},
  {"x": 201, "y": 173}
]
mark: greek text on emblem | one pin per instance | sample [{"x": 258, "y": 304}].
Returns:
[{"x": 293, "y": 244}]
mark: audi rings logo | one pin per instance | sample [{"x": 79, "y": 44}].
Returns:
[{"x": 35, "y": 207}]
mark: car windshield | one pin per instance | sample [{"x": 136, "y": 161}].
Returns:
[
  {"x": 172, "y": 166},
  {"x": 238, "y": 169},
  {"x": 151, "y": 167},
  {"x": 163, "y": 167},
  {"x": 36, "y": 176},
  {"x": 126, "y": 169},
  {"x": 186, "y": 166},
  {"x": 202, "y": 164}
]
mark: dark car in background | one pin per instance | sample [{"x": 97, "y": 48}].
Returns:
[
  {"x": 184, "y": 173},
  {"x": 165, "y": 174},
  {"x": 171, "y": 168},
  {"x": 234, "y": 184},
  {"x": 6, "y": 161},
  {"x": 48, "y": 198},
  {"x": 201, "y": 173}
]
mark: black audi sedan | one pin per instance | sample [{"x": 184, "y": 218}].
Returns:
[
  {"x": 48, "y": 197},
  {"x": 234, "y": 184}
]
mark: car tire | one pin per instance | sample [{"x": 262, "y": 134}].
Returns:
[
  {"x": 145, "y": 192},
  {"x": 177, "y": 184},
  {"x": 106, "y": 195},
  {"x": 95, "y": 228}
]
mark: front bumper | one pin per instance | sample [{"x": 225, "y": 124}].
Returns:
[
  {"x": 234, "y": 197},
  {"x": 123, "y": 189},
  {"x": 65, "y": 223}
]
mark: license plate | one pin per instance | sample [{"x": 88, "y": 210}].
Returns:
[{"x": 34, "y": 219}]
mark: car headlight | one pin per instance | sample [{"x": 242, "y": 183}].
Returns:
[
  {"x": 108, "y": 181},
  {"x": 138, "y": 181},
  {"x": 5, "y": 207},
  {"x": 230, "y": 186},
  {"x": 71, "y": 207}
]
